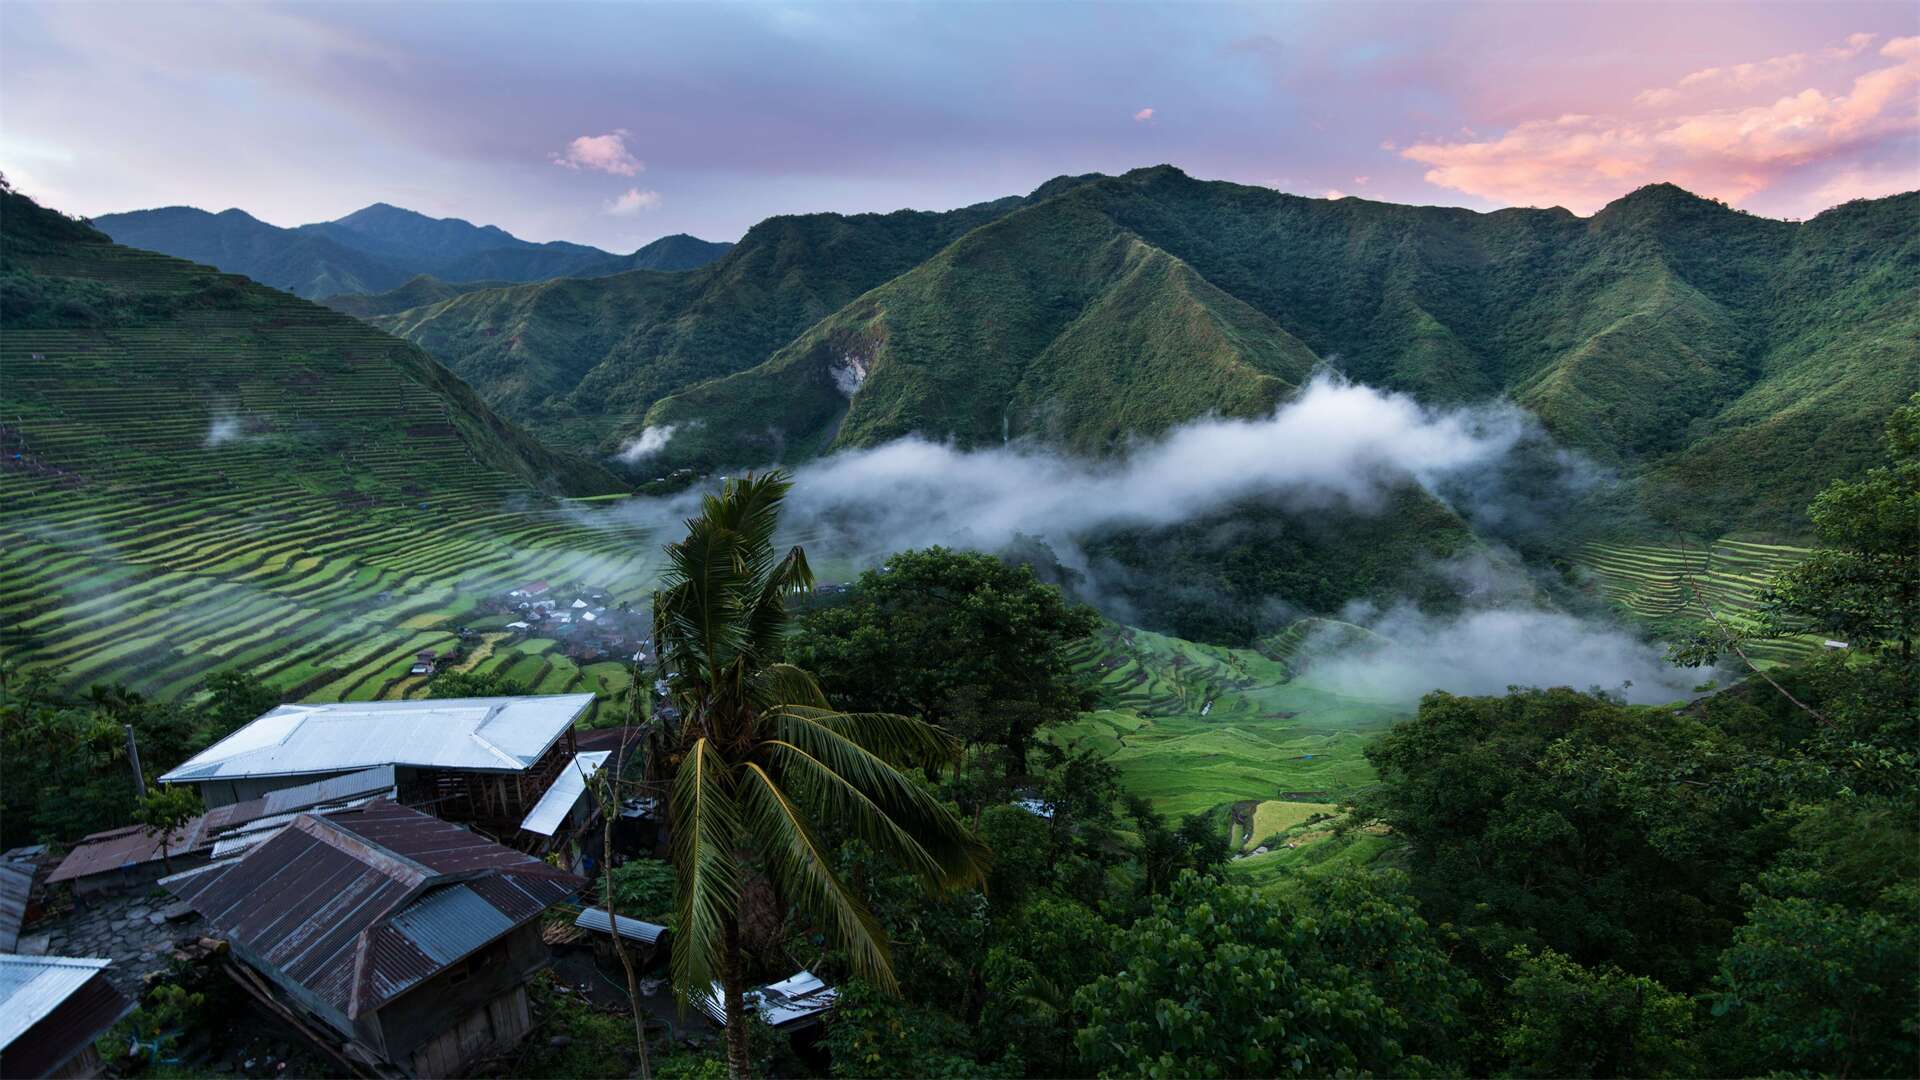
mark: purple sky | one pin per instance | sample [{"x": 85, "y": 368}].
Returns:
[{"x": 613, "y": 124}]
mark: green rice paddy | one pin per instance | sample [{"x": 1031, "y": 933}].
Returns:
[
  {"x": 1670, "y": 585},
  {"x": 269, "y": 486},
  {"x": 1197, "y": 727}
]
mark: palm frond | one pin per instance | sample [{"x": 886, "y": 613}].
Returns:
[
  {"x": 706, "y": 830},
  {"x": 779, "y": 685},
  {"x": 886, "y": 808},
  {"x": 899, "y": 740},
  {"x": 801, "y": 868}
]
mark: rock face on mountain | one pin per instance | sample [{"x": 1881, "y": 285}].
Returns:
[{"x": 1730, "y": 363}]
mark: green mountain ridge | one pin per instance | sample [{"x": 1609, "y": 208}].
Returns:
[
  {"x": 380, "y": 248},
  {"x": 201, "y": 473},
  {"x": 1728, "y": 364}
]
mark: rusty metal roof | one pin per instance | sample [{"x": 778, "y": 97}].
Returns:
[
  {"x": 363, "y": 904},
  {"x": 118, "y": 849},
  {"x": 51, "y": 1007},
  {"x": 496, "y": 734}
]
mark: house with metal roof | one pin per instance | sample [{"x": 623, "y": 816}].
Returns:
[
  {"x": 51, "y": 1010},
  {"x": 408, "y": 939},
  {"x": 135, "y": 856},
  {"x": 484, "y": 760}
]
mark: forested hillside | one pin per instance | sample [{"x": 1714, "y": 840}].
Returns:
[
  {"x": 202, "y": 472},
  {"x": 379, "y": 248},
  {"x": 1734, "y": 363}
]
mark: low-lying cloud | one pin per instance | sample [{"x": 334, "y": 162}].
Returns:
[
  {"x": 1336, "y": 448},
  {"x": 1486, "y": 651},
  {"x": 649, "y": 442}
]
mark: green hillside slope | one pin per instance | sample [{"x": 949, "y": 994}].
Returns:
[
  {"x": 1737, "y": 362},
  {"x": 581, "y": 362},
  {"x": 200, "y": 472},
  {"x": 419, "y": 291}
]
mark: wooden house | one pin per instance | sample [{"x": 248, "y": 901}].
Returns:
[{"x": 394, "y": 939}]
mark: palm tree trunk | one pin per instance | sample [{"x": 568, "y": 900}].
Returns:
[
  {"x": 739, "y": 1058},
  {"x": 608, "y": 804}
]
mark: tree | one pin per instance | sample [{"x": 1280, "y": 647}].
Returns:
[
  {"x": 957, "y": 638},
  {"x": 756, "y": 760},
  {"x": 236, "y": 698},
  {"x": 465, "y": 684},
  {"x": 1613, "y": 834},
  {"x": 1563, "y": 1019},
  {"x": 164, "y": 811},
  {"x": 1226, "y": 980}
]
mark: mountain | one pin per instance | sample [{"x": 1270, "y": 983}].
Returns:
[
  {"x": 201, "y": 472},
  {"x": 380, "y": 248},
  {"x": 581, "y": 358},
  {"x": 1728, "y": 364},
  {"x": 416, "y": 292}
]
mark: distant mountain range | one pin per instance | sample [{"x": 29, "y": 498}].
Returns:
[
  {"x": 381, "y": 248},
  {"x": 1728, "y": 363}
]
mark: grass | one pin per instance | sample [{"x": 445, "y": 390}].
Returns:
[
  {"x": 1276, "y": 816},
  {"x": 1198, "y": 727}
]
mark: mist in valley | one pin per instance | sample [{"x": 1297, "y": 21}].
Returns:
[{"x": 1337, "y": 449}]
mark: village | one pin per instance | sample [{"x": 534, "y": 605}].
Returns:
[{"x": 381, "y": 883}]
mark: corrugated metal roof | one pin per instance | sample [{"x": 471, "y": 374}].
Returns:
[
  {"x": 793, "y": 1000},
  {"x": 16, "y": 886},
  {"x": 117, "y": 849},
  {"x": 450, "y": 922},
  {"x": 51, "y": 1008},
  {"x": 367, "y": 891},
  {"x": 499, "y": 734},
  {"x": 33, "y": 986},
  {"x": 547, "y": 815},
  {"x": 599, "y": 921}
]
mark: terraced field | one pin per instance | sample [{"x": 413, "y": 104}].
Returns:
[
  {"x": 239, "y": 479},
  {"x": 1656, "y": 582},
  {"x": 1196, "y": 727}
]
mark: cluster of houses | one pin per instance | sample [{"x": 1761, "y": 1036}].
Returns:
[
  {"x": 588, "y": 627},
  {"x": 379, "y": 873}
]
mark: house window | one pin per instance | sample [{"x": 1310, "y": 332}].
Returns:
[{"x": 459, "y": 973}]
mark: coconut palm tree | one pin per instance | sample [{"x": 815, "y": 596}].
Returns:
[{"x": 756, "y": 758}]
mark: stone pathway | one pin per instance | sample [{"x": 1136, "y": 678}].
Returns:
[{"x": 137, "y": 932}]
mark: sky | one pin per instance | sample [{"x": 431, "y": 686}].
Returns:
[{"x": 613, "y": 124}]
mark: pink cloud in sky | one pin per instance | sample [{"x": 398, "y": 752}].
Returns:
[
  {"x": 1143, "y": 115},
  {"x": 632, "y": 201},
  {"x": 1730, "y": 151},
  {"x": 602, "y": 153}
]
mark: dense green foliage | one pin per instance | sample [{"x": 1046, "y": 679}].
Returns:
[
  {"x": 67, "y": 772},
  {"x": 379, "y": 248},
  {"x": 959, "y": 639}
]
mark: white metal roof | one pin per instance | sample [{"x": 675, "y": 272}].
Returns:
[
  {"x": 552, "y": 809},
  {"x": 599, "y": 921},
  {"x": 497, "y": 734},
  {"x": 788, "y": 1001},
  {"x": 33, "y": 986}
]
